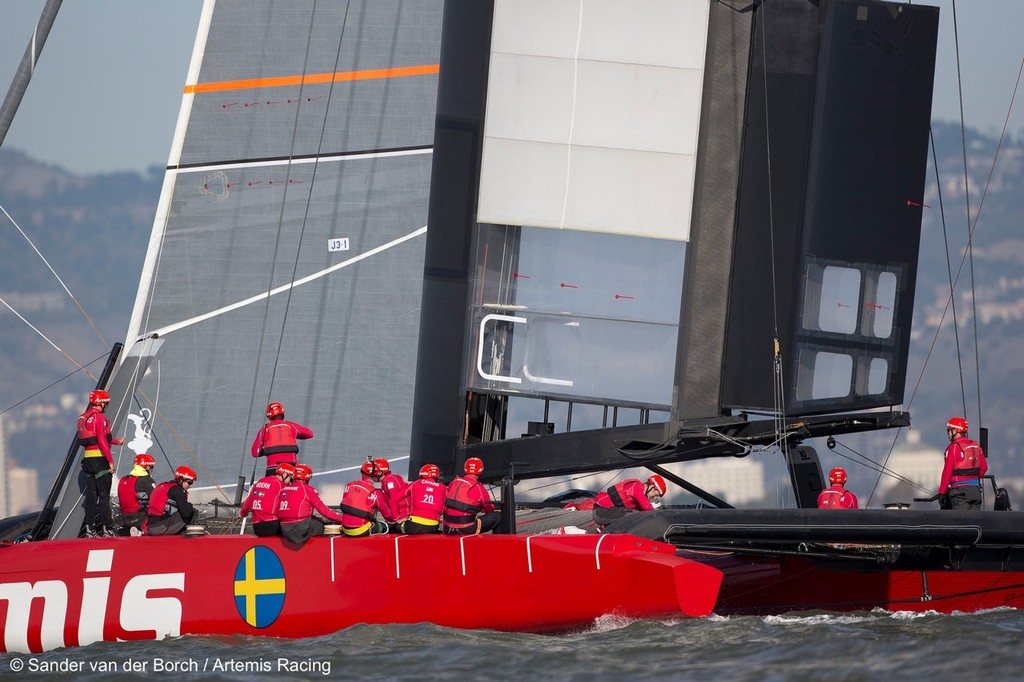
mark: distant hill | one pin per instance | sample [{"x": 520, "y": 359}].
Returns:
[
  {"x": 991, "y": 282},
  {"x": 94, "y": 231}
]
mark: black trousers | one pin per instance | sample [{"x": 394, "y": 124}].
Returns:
[
  {"x": 964, "y": 497},
  {"x": 97, "y": 491}
]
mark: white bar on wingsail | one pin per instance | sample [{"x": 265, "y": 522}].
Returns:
[
  {"x": 163, "y": 331},
  {"x": 305, "y": 160}
]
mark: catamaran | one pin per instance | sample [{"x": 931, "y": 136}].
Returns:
[{"x": 690, "y": 229}]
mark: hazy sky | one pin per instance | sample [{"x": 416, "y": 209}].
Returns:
[{"x": 106, "y": 93}]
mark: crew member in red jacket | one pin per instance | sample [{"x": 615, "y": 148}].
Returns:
[
  {"x": 278, "y": 439},
  {"x": 169, "y": 508},
  {"x": 964, "y": 465},
  {"x": 424, "y": 499},
  {"x": 263, "y": 499},
  {"x": 296, "y": 505},
  {"x": 836, "y": 496},
  {"x": 97, "y": 463},
  {"x": 133, "y": 493},
  {"x": 361, "y": 501},
  {"x": 630, "y": 494},
  {"x": 468, "y": 509},
  {"x": 394, "y": 489}
]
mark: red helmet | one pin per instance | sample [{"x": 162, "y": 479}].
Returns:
[
  {"x": 303, "y": 472},
  {"x": 275, "y": 410},
  {"x": 957, "y": 424},
  {"x": 383, "y": 466},
  {"x": 144, "y": 461},
  {"x": 430, "y": 471},
  {"x": 99, "y": 397},
  {"x": 474, "y": 466},
  {"x": 370, "y": 469},
  {"x": 286, "y": 468},
  {"x": 837, "y": 476},
  {"x": 658, "y": 482},
  {"x": 185, "y": 474}
]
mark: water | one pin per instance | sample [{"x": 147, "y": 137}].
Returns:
[{"x": 864, "y": 646}]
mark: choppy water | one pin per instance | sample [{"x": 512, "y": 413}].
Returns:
[{"x": 866, "y": 646}]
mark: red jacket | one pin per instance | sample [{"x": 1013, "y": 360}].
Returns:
[
  {"x": 632, "y": 492},
  {"x": 964, "y": 464},
  {"x": 395, "y": 491},
  {"x": 836, "y": 497},
  {"x": 360, "y": 503},
  {"x": 262, "y": 500},
  {"x": 425, "y": 501},
  {"x": 277, "y": 441},
  {"x": 466, "y": 498},
  {"x": 297, "y": 502},
  {"x": 94, "y": 433}
]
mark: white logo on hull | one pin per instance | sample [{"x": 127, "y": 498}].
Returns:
[{"x": 138, "y": 613}]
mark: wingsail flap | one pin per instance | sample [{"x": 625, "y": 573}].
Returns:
[{"x": 829, "y": 220}]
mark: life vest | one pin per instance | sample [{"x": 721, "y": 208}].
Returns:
[
  {"x": 460, "y": 509},
  {"x": 132, "y": 500},
  {"x": 394, "y": 489},
  {"x": 89, "y": 422},
  {"x": 355, "y": 501},
  {"x": 967, "y": 467},
  {"x": 160, "y": 504},
  {"x": 619, "y": 496},
  {"x": 426, "y": 500},
  {"x": 278, "y": 437},
  {"x": 835, "y": 497}
]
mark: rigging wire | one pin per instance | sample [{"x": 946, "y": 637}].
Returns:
[
  {"x": 778, "y": 386},
  {"x": 50, "y": 267},
  {"x": 974, "y": 227},
  {"x": 967, "y": 202},
  {"x": 280, "y": 230},
  {"x": 60, "y": 350},
  {"x": 46, "y": 388},
  {"x": 950, "y": 301}
]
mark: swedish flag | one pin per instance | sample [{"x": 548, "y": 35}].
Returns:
[{"x": 259, "y": 587}]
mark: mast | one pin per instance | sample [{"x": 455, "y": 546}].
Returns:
[{"x": 27, "y": 67}]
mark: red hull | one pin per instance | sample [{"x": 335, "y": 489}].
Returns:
[
  {"x": 73, "y": 592},
  {"x": 767, "y": 586}
]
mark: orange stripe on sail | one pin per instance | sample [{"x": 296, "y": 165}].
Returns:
[{"x": 341, "y": 76}]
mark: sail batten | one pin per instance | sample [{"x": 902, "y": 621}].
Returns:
[{"x": 298, "y": 160}]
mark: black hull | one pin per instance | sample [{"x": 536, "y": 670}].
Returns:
[{"x": 845, "y": 539}]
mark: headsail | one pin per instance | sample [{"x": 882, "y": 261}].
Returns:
[{"x": 287, "y": 252}]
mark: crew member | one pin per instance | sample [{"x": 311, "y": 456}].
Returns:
[
  {"x": 296, "y": 505},
  {"x": 278, "y": 439},
  {"x": 630, "y": 494},
  {"x": 133, "y": 493},
  {"x": 468, "y": 509},
  {"x": 169, "y": 508},
  {"x": 424, "y": 498},
  {"x": 394, "y": 489},
  {"x": 836, "y": 496},
  {"x": 361, "y": 501},
  {"x": 964, "y": 465},
  {"x": 263, "y": 499},
  {"x": 97, "y": 463}
]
